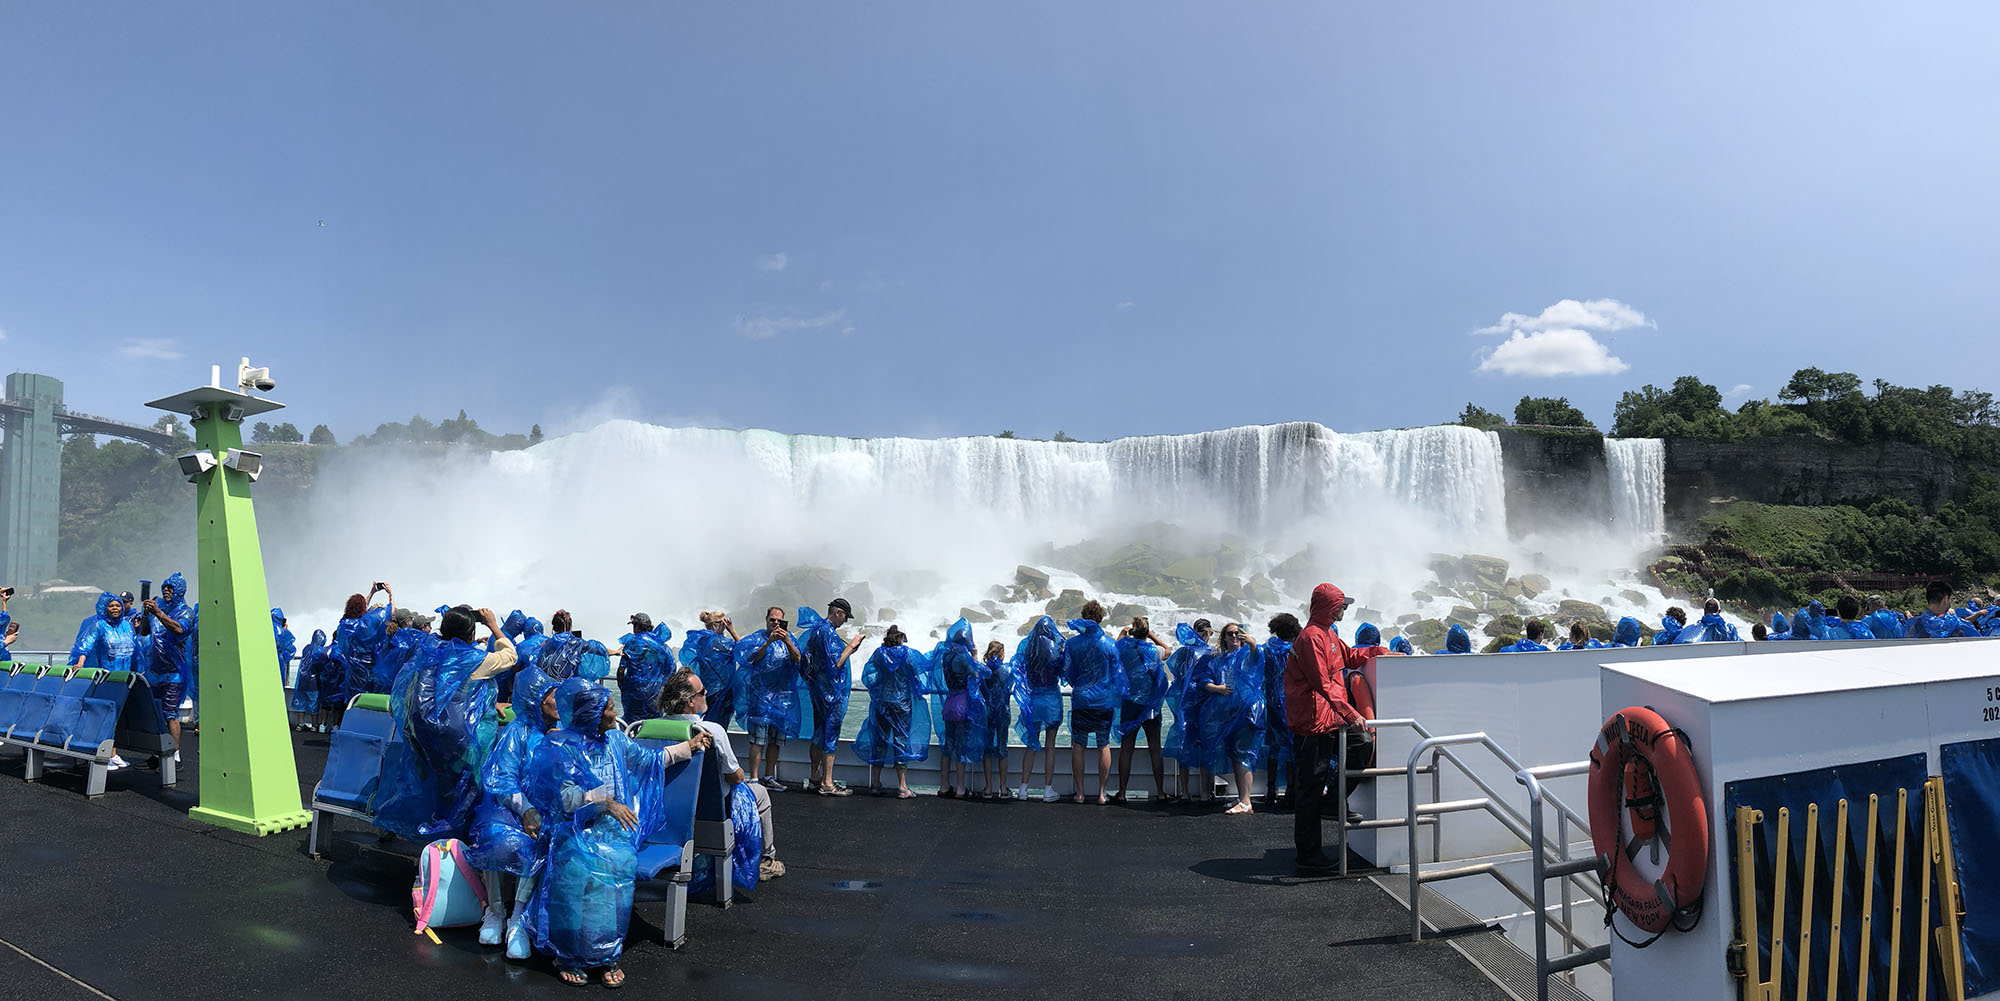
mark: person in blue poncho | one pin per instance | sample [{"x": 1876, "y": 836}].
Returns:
[
  {"x": 1143, "y": 659},
  {"x": 9, "y": 630},
  {"x": 1671, "y": 625},
  {"x": 1580, "y": 638},
  {"x": 644, "y": 661},
  {"x": 1938, "y": 621},
  {"x": 1627, "y": 632},
  {"x": 1278, "y": 753},
  {"x": 1456, "y": 640},
  {"x": 1710, "y": 628},
  {"x": 1844, "y": 625},
  {"x": 528, "y": 638},
  {"x": 288, "y": 645},
  {"x": 767, "y": 694},
  {"x": 106, "y": 642},
  {"x": 710, "y": 652},
  {"x": 1193, "y": 640},
  {"x": 898, "y": 728},
  {"x": 1401, "y": 644},
  {"x": 1038, "y": 670},
  {"x": 955, "y": 663},
  {"x": 998, "y": 686},
  {"x": 304, "y": 702},
  {"x": 444, "y": 705},
  {"x": 1096, "y": 683},
  {"x": 173, "y": 657},
  {"x": 1883, "y": 623},
  {"x": 1531, "y": 643},
  {"x": 508, "y": 833},
  {"x": 597, "y": 792},
  {"x": 829, "y": 677},
  {"x": 359, "y": 636},
  {"x": 1226, "y": 712},
  {"x": 1780, "y": 629},
  {"x": 404, "y": 640}
]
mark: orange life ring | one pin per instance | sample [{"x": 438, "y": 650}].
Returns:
[{"x": 1641, "y": 764}]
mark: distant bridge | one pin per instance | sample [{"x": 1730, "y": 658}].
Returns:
[{"x": 34, "y": 421}]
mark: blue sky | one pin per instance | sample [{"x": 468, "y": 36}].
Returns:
[{"x": 1112, "y": 219}]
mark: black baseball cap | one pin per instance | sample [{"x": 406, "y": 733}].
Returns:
[{"x": 841, "y": 603}]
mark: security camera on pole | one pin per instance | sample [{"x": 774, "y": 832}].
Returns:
[{"x": 249, "y": 780}]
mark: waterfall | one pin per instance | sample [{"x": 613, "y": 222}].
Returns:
[{"x": 1637, "y": 480}]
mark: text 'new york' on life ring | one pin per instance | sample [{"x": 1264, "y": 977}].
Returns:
[{"x": 1639, "y": 766}]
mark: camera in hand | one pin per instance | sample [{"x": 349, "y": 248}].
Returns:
[
  {"x": 142, "y": 625},
  {"x": 6, "y": 592}
]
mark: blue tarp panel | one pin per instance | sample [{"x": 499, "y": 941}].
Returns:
[
  {"x": 1826, "y": 787},
  {"x": 1972, "y": 805}
]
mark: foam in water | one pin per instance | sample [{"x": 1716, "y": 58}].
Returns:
[{"x": 630, "y": 516}]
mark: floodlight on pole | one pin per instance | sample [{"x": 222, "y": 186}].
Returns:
[
  {"x": 194, "y": 464},
  {"x": 248, "y": 463}
]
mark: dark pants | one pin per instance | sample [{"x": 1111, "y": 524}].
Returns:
[{"x": 1312, "y": 771}]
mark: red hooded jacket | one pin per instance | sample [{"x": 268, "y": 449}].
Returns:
[{"x": 1315, "y": 695}]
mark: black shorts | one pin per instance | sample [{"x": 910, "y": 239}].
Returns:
[{"x": 1084, "y": 722}]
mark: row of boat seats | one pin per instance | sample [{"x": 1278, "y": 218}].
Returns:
[
  {"x": 714, "y": 833},
  {"x": 669, "y": 852},
  {"x": 82, "y": 713}
]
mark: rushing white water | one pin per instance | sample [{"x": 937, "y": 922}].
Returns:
[
  {"x": 1636, "y": 469},
  {"x": 631, "y": 516}
]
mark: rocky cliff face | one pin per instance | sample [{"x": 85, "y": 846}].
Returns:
[
  {"x": 1553, "y": 479},
  {"x": 1702, "y": 476}
]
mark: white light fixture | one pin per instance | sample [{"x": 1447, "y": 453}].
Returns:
[
  {"x": 248, "y": 378},
  {"x": 232, "y": 413},
  {"x": 194, "y": 464},
  {"x": 248, "y": 463}
]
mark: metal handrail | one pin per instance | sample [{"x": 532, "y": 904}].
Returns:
[
  {"x": 1409, "y": 818},
  {"x": 1565, "y": 866}
]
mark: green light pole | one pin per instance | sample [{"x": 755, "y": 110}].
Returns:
[{"x": 249, "y": 779}]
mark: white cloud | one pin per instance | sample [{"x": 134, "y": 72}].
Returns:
[
  {"x": 1740, "y": 389},
  {"x": 773, "y": 262},
  {"x": 1561, "y": 340},
  {"x": 770, "y": 324},
  {"x": 149, "y": 349},
  {"x": 1552, "y": 352}
]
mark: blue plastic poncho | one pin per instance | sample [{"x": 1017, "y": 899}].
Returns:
[
  {"x": 580, "y": 908},
  {"x": 85, "y": 630},
  {"x": 430, "y": 779},
  {"x": 898, "y": 728},
  {"x": 1091, "y": 667},
  {"x": 1524, "y": 645},
  {"x": 499, "y": 842},
  {"x": 305, "y": 687},
  {"x": 173, "y": 653},
  {"x": 1928, "y": 626},
  {"x": 1884, "y": 624},
  {"x": 828, "y": 675},
  {"x": 526, "y": 649},
  {"x": 1780, "y": 628},
  {"x": 360, "y": 642},
  {"x": 288, "y": 645},
  {"x": 399, "y": 654},
  {"x": 108, "y": 644},
  {"x": 1038, "y": 673},
  {"x": 643, "y": 669},
  {"x": 1589, "y": 643},
  {"x": 1180, "y": 667},
  {"x": 1670, "y": 629},
  {"x": 593, "y": 662},
  {"x": 1710, "y": 628},
  {"x": 6, "y": 654},
  {"x": 1456, "y": 640},
  {"x": 960, "y": 677},
  {"x": 514, "y": 626},
  {"x": 1226, "y": 729},
  {"x": 1145, "y": 682},
  {"x": 746, "y": 851},
  {"x": 998, "y": 691},
  {"x": 1401, "y": 644},
  {"x": 1277, "y": 735},
  {"x": 1627, "y": 632},
  {"x": 1832, "y": 627},
  {"x": 767, "y": 687},
  {"x": 712, "y": 656},
  {"x": 561, "y": 656},
  {"x": 1367, "y": 634}
]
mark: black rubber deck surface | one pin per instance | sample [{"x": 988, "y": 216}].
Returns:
[{"x": 924, "y": 898}]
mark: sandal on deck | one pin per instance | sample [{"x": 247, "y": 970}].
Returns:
[
  {"x": 1238, "y": 809},
  {"x": 905, "y": 794},
  {"x": 576, "y": 977},
  {"x": 614, "y": 978}
]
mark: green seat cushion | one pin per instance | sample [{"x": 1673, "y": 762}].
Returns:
[
  {"x": 371, "y": 700},
  {"x": 663, "y": 729}
]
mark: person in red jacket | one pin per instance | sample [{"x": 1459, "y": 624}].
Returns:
[{"x": 1316, "y": 708}]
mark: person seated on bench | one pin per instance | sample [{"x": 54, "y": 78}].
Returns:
[
  {"x": 684, "y": 696},
  {"x": 599, "y": 792},
  {"x": 445, "y": 708},
  {"x": 508, "y": 834}
]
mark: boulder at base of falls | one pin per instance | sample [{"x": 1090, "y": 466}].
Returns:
[
  {"x": 1027, "y": 576},
  {"x": 1230, "y": 605},
  {"x": 1300, "y": 571},
  {"x": 1463, "y": 616},
  {"x": 1500, "y": 606},
  {"x": 1367, "y": 615},
  {"x": 1633, "y": 597},
  {"x": 1406, "y": 618},
  {"x": 885, "y": 614},
  {"x": 974, "y": 615},
  {"x": 1513, "y": 588},
  {"x": 1124, "y": 612},
  {"x": 1533, "y": 584},
  {"x": 1065, "y": 606},
  {"x": 1489, "y": 572},
  {"x": 1426, "y": 633},
  {"x": 1504, "y": 625},
  {"x": 1421, "y": 597},
  {"x": 1493, "y": 645},
  {"x": 1449, "y": 570},
  {"x": 1260, "y": 590},
  {"x": 1571, "y": 609},
  {"x": 1603, "y": 631}
]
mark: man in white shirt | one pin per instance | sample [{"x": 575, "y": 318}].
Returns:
[{"x": 683, "y": 697}]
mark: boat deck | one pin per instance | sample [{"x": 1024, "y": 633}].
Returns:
[{"x": 884, "y": 899}]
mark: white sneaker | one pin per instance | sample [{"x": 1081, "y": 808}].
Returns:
[
  {"x": 1021, "y": 793},
  {"x": 177, "y": 757},
  {"x": 517, "y": 937},
  {"x": 116, "y": 763},
  {"x": 492, "y": 925},
  {"x": 1049, "y": 796}
]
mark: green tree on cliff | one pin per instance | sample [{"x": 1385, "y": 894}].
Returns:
[
  {"x": 1476, "y": 416},
  {"x": 1554, "y": 411}
]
